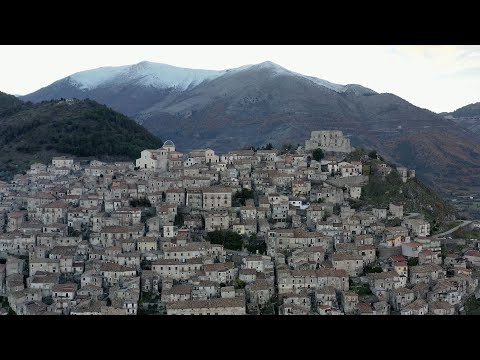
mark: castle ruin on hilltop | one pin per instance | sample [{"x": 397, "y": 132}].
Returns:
[{"x": 328, "y": 140}]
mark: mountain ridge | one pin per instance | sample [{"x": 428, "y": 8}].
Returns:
[
  {"x": 467, "y": 117},
  {"x": 261, "y": 103},
  {"x": 185, "y": 77}
]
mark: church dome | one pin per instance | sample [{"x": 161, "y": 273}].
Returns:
[{"x": 168, "y": 143}]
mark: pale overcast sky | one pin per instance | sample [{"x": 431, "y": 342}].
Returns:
[{"x": 439, "y": 78}]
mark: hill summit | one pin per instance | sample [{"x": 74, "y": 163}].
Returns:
[{"x": 83, "y": 128}]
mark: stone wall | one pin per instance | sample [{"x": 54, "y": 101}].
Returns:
[{"x": 328, "y": 140}]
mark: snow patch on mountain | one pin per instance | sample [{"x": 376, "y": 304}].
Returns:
[
  {"x": 324, "y": 83},
  {"x": 276, "y": 69},
  {"x": 90, "y": 79},
  {"x": 163, "y": 76},
  {"x": 147, "y": 74}
]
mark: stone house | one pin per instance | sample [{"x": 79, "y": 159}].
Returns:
[
  {"x": 425, "y": 273},
  {"x": 352, "y": 264},
  {"x": 217, "y": 220},
  {"x": 15, "y": 220},
  {"x": 127, "y": 245},
  {"x": 247, "y": 275},
  {"x": 193, "y": 222},
  {"x": 448, "y": 291},
  {"x": 127, "y": 216},
  {"x": 150, "y": 282},
  {"x": 418, "y": 307},
  {"x": 290, "y": 240},
  {"x": 381, "y": 308},
  {"x": 48, "y": 265},
  {"x": 328, "y": 310},
  {"x": 295, "y": 280},
  {"x": 473, "y": 257},
  {"x": 328, "y": 194},
  {"x": 260, "y": 291},
  {"x": 421, "y": 290},
  {"x": 355, "y": 192},
  {"x": 145, "y": 244},
  {"x": 177, "y": 293},
  {"x": 62, "y": 162},
  {"x": 279, "y": 211},
  {"x": 90, "y": 291},
  {"x": 248, "y": 212},
  {"x": 401, "y": 267},
  {"x": 229, "y": 292},
  {"x": 131, "y": 259},
  {"x": 301, "y": 188},
  {"x": 326, "y": 295},
  {"x": 215, "y": 306},
  {"x": 314, "y": 255},
  {"x": 18, "y": 299},
  {"x": 195, "y": 250},
  {"x": 418, "y": 227},
  {"x": 91, "y": 277},
  {"x": 89, "y": 201},
  {"x": 245, "y": 227},
  {"x": 64, "y": 296},
  {"x": 216, "y": 197},
  {"x": 380, "y": 213},
  {"x": 387, "y": 280},
  {"x": 401, "y": 297},
  {"x": 43, "y": 282},
  {"x": 39, "y": 199},
  {"x": 175, "y": 196},
  {"x": 315, "y": 213},
  {"x": 204, "y": 289},
  {"x": 110, "y": 235},
  {"x": 194, "y": 198},
  {"x": 349, "y": 301},
  {"x": 396, "y": 210},
  {"x": 426, "y": 257},
  {"x": 259, "y": 263},
  {"x": 367, "y": 252},
  {"x": 13, "y": 283},
  {"x": 174, "y": 269},
  {"x": 392, "y": 232},
  {"x": 351, "y": 169},
  {"x": 364, "y": 239},
  {"x": 221, "y": 272},
  {"x": 54, "y": 212},
  {"x": 301, "y": 298},
  {"x": 441, "y": 308},
  {"x": 411, "y": 249},
  {"x": 112, "y": 273}
]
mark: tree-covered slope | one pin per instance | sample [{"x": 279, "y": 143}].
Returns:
[
  {"x": 36, "y": 132},
  {"x": 413, "y": 195}
]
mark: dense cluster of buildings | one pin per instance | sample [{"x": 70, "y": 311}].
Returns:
[{"x": 87, "y": 238}]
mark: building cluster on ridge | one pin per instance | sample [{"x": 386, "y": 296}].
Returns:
[{"x": 155, "y": 237}]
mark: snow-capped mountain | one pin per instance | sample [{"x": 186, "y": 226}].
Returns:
[
  {"x": 162, "y": 76},
  {"x": 261, "y": 103},
  {"x": 148, "y": 74},
  {"x": 138, "y": 89}
]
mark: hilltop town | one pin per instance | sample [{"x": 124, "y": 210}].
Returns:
[{"x": 252, "y": 231}]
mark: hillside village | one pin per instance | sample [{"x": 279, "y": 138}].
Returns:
[{"x": 259, "y": 231}]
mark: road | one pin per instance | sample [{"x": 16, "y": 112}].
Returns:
[
  {"x": 464, "y": 223},
  {"x": 412, "y": 215}
]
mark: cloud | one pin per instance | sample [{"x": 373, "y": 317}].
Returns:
[
  {"x": 429, "y": 51},
  {"x": 466, "y": 73}
]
